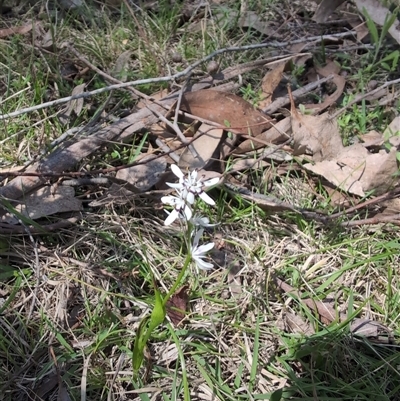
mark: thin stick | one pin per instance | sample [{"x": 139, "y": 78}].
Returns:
[
  {"x": 359, "y": 98},
  {"x": 178, "y": 75}
]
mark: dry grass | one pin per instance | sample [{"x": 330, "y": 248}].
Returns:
[{"x": 83, "y": 291}]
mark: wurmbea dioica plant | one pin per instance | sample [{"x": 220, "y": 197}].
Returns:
[{"x": 187, "y": 190}]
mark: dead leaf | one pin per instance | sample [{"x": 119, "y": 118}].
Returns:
[
  {"x": 392, "y": 132},
  {"x": 295, "y": 324},
  {"x": 315, "y": 135},
  {"x": 251, "y": 19},
  {"x": 227, "y": 110},
  {"x": 270, "y": 82},
  {"x": 45, "y": 386},
  {"x": 120, "y": 70},
  {"x": 206, "y": 145},
  {"x": 379, "y": 14},
  {"x": 75, "y": 105},
  {"x": 339, "y": 198},
  {"x": 326, "y": 312},
  {"x": 177, "y": 305},
  {"x": 145, "y": 175},
  {"x": 372, "y": 330},
  {"x": 63, "y": 394},
  {"x": 331, "y": 68},
  {"x": 280, "y": 132},
  {"x": 19, "y": 30},
  {"x": 357, "y": 171},
  {"x": 325, "y": 9},
  {"x": 372, "y": 139},
  {"x": 44, "y": 202},
  {"x": 249, "y": 164},
  {"x": 47, "y": 41},
  {"x": 392, "y": 207}
]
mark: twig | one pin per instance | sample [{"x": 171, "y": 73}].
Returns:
[
  {"x": 359, "y": 98},
  {"x": 283, "y": 101},
  {"x": 379, "y": 199},
  {"x": 393, "y": 218},
  {"x": 178, "y": 75}
]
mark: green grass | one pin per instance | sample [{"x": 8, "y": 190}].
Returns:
[{"x": 96, "y": 278}]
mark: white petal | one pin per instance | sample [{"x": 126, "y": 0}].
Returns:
[
  {"x": 169, "y": 200},
  {"x": 177, "y": 171},
  {"x": 177, "y": 185},
  {"x": 171, "y": 218},
  {"x": 193, "y": 176},
  {"x": 207, "y": 199},
  {"x": 204, "y": 248},
  {"x": 196, "y": 240},
  {"x": 211, "y": 182},
  {"x": 187, "y": 212},
  {"x": 202, "y": 264},
  {"x": 190, "y": 197}
]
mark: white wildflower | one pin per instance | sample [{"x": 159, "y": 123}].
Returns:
[
  {"x": 180, "y": 208},
  {"x": 199, "y": 252},
  {"x": 201, "y": 221},
  {"x": 190, "y": 186}
]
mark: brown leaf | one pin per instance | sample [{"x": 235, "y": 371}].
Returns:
[
  {"x": 206, "y": 145},
  {"x": 144, "y": 176},
  {"x": 121, "y": 67},
  {"x": 331, "y": 68},
  {"x": 392, "y": 132},
  {"x": 372, "y": 330},
  {"x": 279, "y": 132},
  {"x": 225, "y": 109},
  {"x": 357, "y": 171},
  {"x": 45, "y": 202},
  {"x": 316, "y": 135},
  {"x": 270, "y": 82},
  {"x": 372, "y": 139},
  {"x": 68, "y": 157},
  {"x": 177, "y": 305},
  {"x": 63, "y": 394},
  {"x": 325, "y": 9},
  {"x": 295, "y": 324},
  {"x": 251, "y": 19},
  {"x": 326, "y": 312},
  {"x": 19, "y": 30},
  {"x": 75, "y": 105}
]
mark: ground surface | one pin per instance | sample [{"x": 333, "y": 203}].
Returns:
[{"x": 296, "y": 307}]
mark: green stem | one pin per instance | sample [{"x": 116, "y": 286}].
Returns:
[{"x": 179, "y": 278}]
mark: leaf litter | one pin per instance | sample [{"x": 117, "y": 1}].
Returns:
[{"x": 310, "y": 138}]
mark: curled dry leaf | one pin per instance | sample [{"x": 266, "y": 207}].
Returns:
[
  {"x": 75, "y": 105},
  {"x": 177, "y": 305},
  {"x": 270, "y": 82},
  {"x": 315, "y": 135},
  {"x": 143, "y": 176},
  {"x": 206, "y": 145},
  {"x": 331, "y": 68},
  {"x": 227, "y": 110}
]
